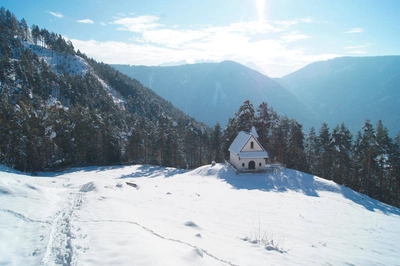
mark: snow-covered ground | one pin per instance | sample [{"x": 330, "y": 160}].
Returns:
[{"x": 208, "y": 216}]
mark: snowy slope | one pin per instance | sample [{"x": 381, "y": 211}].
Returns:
[
  {"x": 72, "y": 65},
  {"x": 208, "y": 216}
]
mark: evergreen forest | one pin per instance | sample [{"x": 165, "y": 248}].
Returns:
[{"x": 61, "y": 109}]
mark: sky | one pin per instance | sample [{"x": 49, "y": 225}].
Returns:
[{"x": 275, "y": 37}]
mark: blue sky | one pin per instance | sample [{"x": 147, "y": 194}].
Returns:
[{"x": 276, "y": 37}]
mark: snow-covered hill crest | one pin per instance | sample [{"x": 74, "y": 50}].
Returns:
[
  {"x": 207, "y": 216},
  {"x": 60, "y": 62},
  {"x": 63, "y": 63}
]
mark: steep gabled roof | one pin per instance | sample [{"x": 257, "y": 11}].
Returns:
[{"x": 240, "y": 141}]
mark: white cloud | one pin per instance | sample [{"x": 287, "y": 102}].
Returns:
[
  {"x": 357, "y": 49},
  {"x": 85, "y": 21},
  {"x": 266, "y": 45},
  {"x": 251, "y": 27},
  {"x": 56, "y": 14},
  {"x": 173, "y": 38},
  {"x": 294, "y": 37},
  {"x": 358, "y": 46},
  {"x": 138, "y": 24},
  {"x": 102, "y": 23},
  {"x": 306, "y": 20},
  {"x": 355, "y": 30},
  {"x": 357, "y": 52}
]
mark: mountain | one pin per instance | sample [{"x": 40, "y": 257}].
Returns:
[
  {"x": 208, "y": 216},
  {"x": 60, "y": 108},
  {"x": 212, "y": 92},
  {"x": 350, "y": 90}
]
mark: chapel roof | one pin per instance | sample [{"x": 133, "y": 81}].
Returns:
[{"x": 240, "y": 141}]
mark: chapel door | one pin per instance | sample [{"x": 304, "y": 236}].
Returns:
[{"x": 252, "y": 165}]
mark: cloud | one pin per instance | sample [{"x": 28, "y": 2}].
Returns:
[
  {"x": 268, "y": 45},
  {"x": 272, "y": 56},
  {"x": 85, "y": 21},
  {"x": 137, "y": 24},
  {"x": 102, "y": 23},
  {"x": 357, "y": 46},
  {"x": 355, "y": 30},
  {"x": 294, "y": 37},
  {"x": 56, "y": 14},
  {"x": 357, "y": 49},
  {"x": 357, "y": 52}
]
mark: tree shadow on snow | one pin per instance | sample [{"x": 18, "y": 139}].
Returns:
[
  {"x": 62, "y": 171},
  {"x": 277, "y": 181},
  {"x": 154, "y": 171},
  {"x": 287, "y": 179},
  {"x": 367, "y": 202}
]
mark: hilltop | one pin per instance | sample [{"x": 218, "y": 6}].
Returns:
[{"x": 207, "y": 216}]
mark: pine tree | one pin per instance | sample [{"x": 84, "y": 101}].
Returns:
[
  {"x": 35, "y": 33},
  {"x": 279, "y": 140},
  {"x": 216, "y": 143},
  {"x": 229, "y": 135},
  {"x": 368, "y": 152},
  {"x": 263, "y": 124},
  {"x": 393, "y": 186},
  {"x": 295, "y": 145},
  {"x": 341, "y": 143},
  {"x": 245, "y": 116},
  {"x": 384, "y": 152},
  {"x": 310, "y": 147},
  {"x": 324, "y": 153}
]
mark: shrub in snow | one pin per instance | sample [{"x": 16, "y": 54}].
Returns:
[{"x": 268, "y": 240}]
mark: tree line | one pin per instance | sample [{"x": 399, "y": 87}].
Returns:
[{"x": 368, "y": 162}]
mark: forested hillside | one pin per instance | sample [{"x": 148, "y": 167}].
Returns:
[{"x": 59, "y": 108}]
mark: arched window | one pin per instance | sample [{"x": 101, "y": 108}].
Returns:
[{"x": 252, "y": 145}]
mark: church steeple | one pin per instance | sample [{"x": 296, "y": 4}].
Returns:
[{"x": 253, "y": 132}]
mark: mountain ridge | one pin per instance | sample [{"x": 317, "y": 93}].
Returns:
[
  {"x": 211, "y": 91},
  {"x": 350, "y": 90}
]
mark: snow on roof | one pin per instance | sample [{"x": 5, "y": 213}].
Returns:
[
  {"x": 253, "y": 131},
  {"x": 240, "y": 140}
]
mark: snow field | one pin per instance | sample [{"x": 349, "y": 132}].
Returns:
[{"x": 208, "y": 216}]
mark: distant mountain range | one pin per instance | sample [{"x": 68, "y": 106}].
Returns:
[
  {"x": 213, "y": 92},
  {"x": 350, "y": 90},
  {"x": 342, "y": 90}
]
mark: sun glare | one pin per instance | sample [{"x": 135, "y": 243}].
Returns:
[{"x": 260, "y": 5}]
